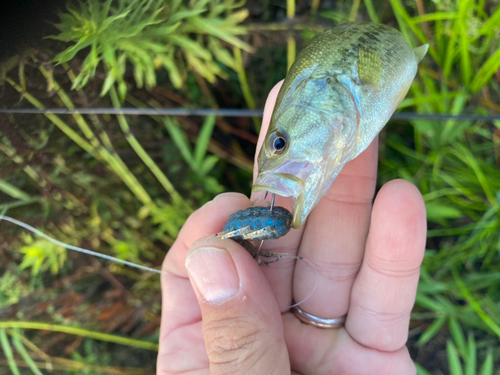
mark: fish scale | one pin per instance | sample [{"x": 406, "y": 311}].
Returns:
[{"x": 339, "y": 93}]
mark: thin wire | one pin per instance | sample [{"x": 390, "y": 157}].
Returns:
[
  {"x": 76, "y": 248},
  {"x": 140, "y": 111},
  {"x": 227, "y": 112},
  {"x": 315, "y": 283},
  {"x": 272, "y": 202}
]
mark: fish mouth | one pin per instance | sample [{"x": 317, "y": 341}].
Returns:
[{"x": 285, "y": 185}]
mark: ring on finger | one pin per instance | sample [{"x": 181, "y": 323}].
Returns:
[{"x": 316, "y": 321}]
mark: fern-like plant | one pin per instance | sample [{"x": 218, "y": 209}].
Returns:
[{"x": 151, "y": 34}]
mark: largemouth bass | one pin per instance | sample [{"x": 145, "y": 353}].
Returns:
[{"x": 339, "y": 93}]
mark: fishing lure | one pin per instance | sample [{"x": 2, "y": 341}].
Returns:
[{"x": 258, "y": 223}]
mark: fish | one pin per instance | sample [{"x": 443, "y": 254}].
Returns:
[{"x": 339, "y": 93}]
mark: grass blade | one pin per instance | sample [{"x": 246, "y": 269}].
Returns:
[
  {"x": 371, "y": 11},
  {"x": 453, "y": 359},
  {"x": 458, "y": 335},
  {"x": 180, "y": 140},
  {"x": 486, "y": 71},
  {"x": 13, "y": 191},
  {"x": 203, "y": 139},
  {"x": 432, "y": 330},
  {"x": 463, "y": 11},
  {"x": 22, "y": 351},
  {"x": 8, "y": 352},
  {"x": 421, "y": 370},
  {"x": 470, "y": 364},
  {"x": 487, "y": 367},
  {"x": 475, "y": 304}
]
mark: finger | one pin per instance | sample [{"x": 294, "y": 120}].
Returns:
[
  {"x": 335, "y": 236},
  {"x": 323, "y": 351},
  {"x": 181, "y": 316},
  {"x": 385, "y": 289},
  {"x": 279, "y": 276},
  {"x": 242, "y": 324}
]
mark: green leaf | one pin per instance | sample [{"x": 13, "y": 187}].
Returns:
[
  {"x": 180, "y": 140},
  {"x": 108, "y": 82},
  {"x": 108, "y": 21},
  {"x": 191, "y": 46},
  {"x": 453, "y": 359},
  {"x": 487, "y": 367},
  {"x": 22, "y": 351},
  {"x": 8, "y": 352},
  {"x": 13, "y": 191},
  {"x": 432, "y": 330},
  {"x": 208, "y": 164},
  {"x": 207, "y": 27},
  {"x": 203, "y": 139},
  {"x": 173, "y": 72},
  {"x": 438, "y": 212},
  {"x": 463, "y": 17},
  {"x": 70, "y": 53},
  {"x": 221, "y": 53},
  {"x": 178, "y": 16},
  {"x": 458, "y": 335},
  {"x": 486, "y": 71},
  {"x": 470, "y": 364},
  {"x": 434, "y": 17},
  {"x": 421, "y": 370}
]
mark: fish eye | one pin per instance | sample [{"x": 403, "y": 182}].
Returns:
[{"x": 278, "y": 143}]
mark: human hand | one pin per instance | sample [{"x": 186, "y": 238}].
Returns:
[{"x": 222, "y": 313}]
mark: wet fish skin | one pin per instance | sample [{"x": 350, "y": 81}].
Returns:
[{"x": 339, "y": 93}]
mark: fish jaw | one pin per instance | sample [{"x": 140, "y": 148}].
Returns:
[{"x": 285, "y": 185}]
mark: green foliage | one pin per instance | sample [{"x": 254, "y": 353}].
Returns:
[
  {"x": 41, "y": 255},
  {"x": 92, "y": 356},
  {"x": 463, "y": 357},
  {"x": 197, "y": 158},
  {"x": 7, "y": 350},
  {"x": 11, "y": 289},
  {"x": 150, "y": 34}
]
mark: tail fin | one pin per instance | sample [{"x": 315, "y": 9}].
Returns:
[{"x": 420, "y": 52}]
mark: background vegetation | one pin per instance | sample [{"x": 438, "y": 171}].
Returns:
[{"x": 123, "y": 185}]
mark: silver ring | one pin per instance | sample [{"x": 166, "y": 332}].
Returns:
[{"x": 316, "y": 321}]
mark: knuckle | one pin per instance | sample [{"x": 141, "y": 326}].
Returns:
[
  {"x": 339, "y": 272},
  {"x": 233, "y": 341}
]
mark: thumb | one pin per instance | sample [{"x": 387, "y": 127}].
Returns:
[{"x": 242, "y": 324}]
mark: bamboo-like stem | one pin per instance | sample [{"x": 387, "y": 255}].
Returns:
[
  {"x": 314, "y": 7},
  {"x": 290, "y": 9},
  {"x": 113, "y": 160},
  {"x": 213, "y": 147},
  {"x": 95, "y": 120},
  {"x": 81, "y": 332},
  {"x": 56, "y": 120},
  {"x": 291, "y": 45},
  {"x": 164, "y": 181},
  {"x": 371, "y": 11},
  {"x": 245, "y": 88},
  {"x": 354, "y": 10},
  {"x": 291, "y": 51}
]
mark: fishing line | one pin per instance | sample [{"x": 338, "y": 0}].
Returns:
[
  {"x": 226, "y": 112},
  {"x": 138, "y": 266},
  {"x": 76, "y": 248}
]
